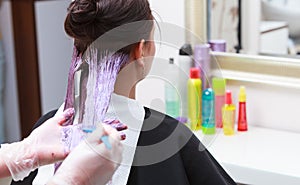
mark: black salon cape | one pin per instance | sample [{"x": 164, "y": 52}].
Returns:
[{"x": 185, "y": 160}]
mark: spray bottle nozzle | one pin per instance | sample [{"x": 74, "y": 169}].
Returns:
[
  {"x": 194, "y": 73},
  {"x": 228, "y": 98}
]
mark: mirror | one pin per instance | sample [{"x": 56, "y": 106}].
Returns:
[{"x": 259, "y": 27}]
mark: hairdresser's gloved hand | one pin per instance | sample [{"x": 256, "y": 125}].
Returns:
[
  {"x": 116, "y": 124},
  {"x": 91, "y": 162},
  {"x": 43, "y": 146},
  {"x": 72, "y": 135}
]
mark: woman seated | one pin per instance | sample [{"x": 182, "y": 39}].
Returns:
[{"x": 114, "y": 50}]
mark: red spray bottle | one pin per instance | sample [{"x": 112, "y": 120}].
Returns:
[{"x": 242, "y": 117}]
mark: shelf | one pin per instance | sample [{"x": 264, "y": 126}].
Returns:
[
  {"x": 268, "y": 26},
  {"x": 258, "y": 156}
]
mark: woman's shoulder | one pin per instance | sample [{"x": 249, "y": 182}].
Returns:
[
  {"x": 158, "y": 127},
  {"x": 152, "y": 115},
  {"x": 167, "y": 141}
]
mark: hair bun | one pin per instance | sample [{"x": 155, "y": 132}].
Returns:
[
  {"x": 87, "y": 20},
  {"x": 81, "y": 16}
]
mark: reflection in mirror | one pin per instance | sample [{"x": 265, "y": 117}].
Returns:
[
  {"x": 224, "y": 23},
  {"x": 285, "y": 13},
  {"x": 265, "y": 27}
]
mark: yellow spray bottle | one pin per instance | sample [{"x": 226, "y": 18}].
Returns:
[
  {"x": 194, "y": 99},
  {"x": 228, "y": 115}
]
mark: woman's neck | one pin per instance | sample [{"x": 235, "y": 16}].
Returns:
[
  {"x": 125, "y": 92},
  {"x": 127, "y": 79},
  {"x": 126, "y": 83}
]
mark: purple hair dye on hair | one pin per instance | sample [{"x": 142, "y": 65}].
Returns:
[
  {"x": 103, "y": 69},
  {"x": 71, "y": 137},
  {"x": 99, "y": 65},
  {"x": 70, "y": 97},
  {"x": 98, "y": 76},
  {"x": 99, "y": 72}
]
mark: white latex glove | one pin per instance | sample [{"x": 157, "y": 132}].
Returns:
[
  {"x": 43, "y": 146},
  {"x": 91, "y": 162}
]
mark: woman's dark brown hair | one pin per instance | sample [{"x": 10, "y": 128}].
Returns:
[{"x": 87, "y": 20}]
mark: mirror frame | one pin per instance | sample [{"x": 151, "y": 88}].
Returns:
[{"x": 255, "y": 68}]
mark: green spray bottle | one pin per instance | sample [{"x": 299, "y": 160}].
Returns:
[
  {"x": 194, "y": 99},
  {"x": 208, "y": 112}
]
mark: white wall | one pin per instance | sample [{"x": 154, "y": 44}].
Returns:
[
  {"x": 270, "y": 106},
  {"x": 171, "y": 11},
  {"x": 170, "y": 14},
  {"x": 11, "y": 107},
  {"x": 54, "y": 52}
]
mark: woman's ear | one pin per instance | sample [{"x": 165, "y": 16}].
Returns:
[{"x": 139, "y": 52}]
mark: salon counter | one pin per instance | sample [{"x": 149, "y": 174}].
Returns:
[{"x": 259, "y": 156}]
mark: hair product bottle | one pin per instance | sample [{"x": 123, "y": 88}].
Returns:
[
  {"x": 202, "y": 61},
  {"x": 171, "y": 93},
  {"x": 185, "y": 63},
  {"x": 194, "y": 99},
  {"x": 228, "y": 115},
  {"x": 219, "y": 87},
  {"x": 218, "y": 45},
  {"x": 208, "y": 112},
  {"x": 242, "y": 118}
]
